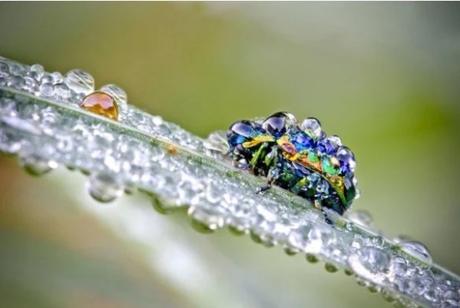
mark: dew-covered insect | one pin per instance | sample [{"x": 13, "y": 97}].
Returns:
[{"x": 298, "y": 157}]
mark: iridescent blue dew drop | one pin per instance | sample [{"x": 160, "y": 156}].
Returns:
[
  {"x": 250, "y": 156},
  {"x": 241, "y": 132},
  {"x": 299, "y": 158},
  {"x": 346, "y": 160},
  {"x": 329, "y": 145},
  {"x": 278, "y": 123},
  {"x": 301, "y": 140}
]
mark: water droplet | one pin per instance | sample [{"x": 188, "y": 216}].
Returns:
[
  {"x": 263, "y": 239},
  {"x": 331, "y": 268},
  {"x": 47, "y": 78},
  {"x": 346, "y": 160},
  {"x": 62, "y": 91},
  {"x": 375, "y": 259},
  {"x": 161, "y": 207},
  {"x": 371, "y": 263},
  {"x": 422, "y": 283},
  {"x": 21, "y": 124},
  {"x": 36, "y": 71},
  {"x": 36, "y": 165},
  {"x": 399, "y": 304},
  {"x": 387, "y": 295},
  {"x": 102, "y": 104},
  {"x": 263, "y": 228},
  {"x": 361, "y": 282},
  {"x": 214, "y": 193},
  {"x": 15, "y": 82},
  {"x": 46, "y": 90},
  {"x": 56, "y": 78},
  {"x": 312, "y": 127},
  {"x": 358, "y": 191},
  {"x": 416, "y": 249},
  {"x": 290, "y": 251},
  {"x": 452, "y": 298},
  {"x": 431, "y": 295},
  {"x": 112, "y": 163},
  {"x": 16, "y": 68},
  {"x": 9, "y": 143},
  {"x": 298, "y": 237},
  {"x": 30, "y": 84},
  {"x": 348, "y": 272},
  {"x": 188, "y": 189},
  {"x": 311, "y": 258},
  {"x": 361, "y": 217},
  {"x": 216, "y": 142},
  {"x": 105, "y": 187},
  {"x": 205, "y": 221},
  {"x": 317, "y": 237},
  {"x": 372, "y": 289},
  {"x": 4, "y": 70},
  {"x": 237, "y": 230},
  {"x": 79, "y": 81},
  {"x": 398, "y": 266},
  {"x": 117, "y": 93},
  {"x": 64, "y": 144}
]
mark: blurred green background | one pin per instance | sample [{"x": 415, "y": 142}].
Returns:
[{"x": 384, "y": 76}]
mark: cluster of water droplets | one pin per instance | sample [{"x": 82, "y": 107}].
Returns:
[{"x": 180, "y": 170}]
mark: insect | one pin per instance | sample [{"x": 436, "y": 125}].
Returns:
[{"x": 300, "y": 158}]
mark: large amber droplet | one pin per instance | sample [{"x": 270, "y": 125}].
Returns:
[{"x": 102, "y": 104}]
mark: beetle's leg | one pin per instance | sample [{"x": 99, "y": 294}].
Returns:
[
  {"x": 326, "y": 217},
  {"x": 270, "y": 180},
  {"x": 273, "y": 172},
  {"x": 317, "y": 205},
  {"x": 264, "y": 188}
]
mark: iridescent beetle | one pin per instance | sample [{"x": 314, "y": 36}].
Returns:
[{"x": 299, "y": 158}]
